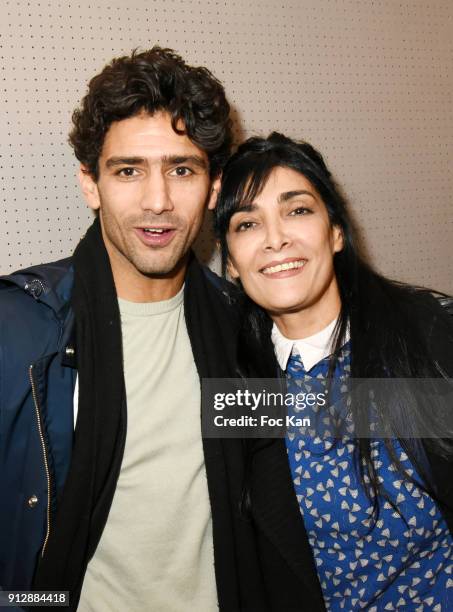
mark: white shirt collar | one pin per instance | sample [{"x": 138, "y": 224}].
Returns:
[{"x": 311, "y": 349}]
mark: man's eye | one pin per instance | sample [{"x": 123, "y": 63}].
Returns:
[
  {"x": 181, "y": 171},
  {"x": 245, "y": 225},
  {"x": 127, "y": 172}
]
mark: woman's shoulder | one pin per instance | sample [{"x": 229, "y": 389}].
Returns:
[
  {"x": 409, "y": 328},
  {"x": 417, "y": 303},
  {"x": 434, "y": 316},
  {"x": 429, "y": 306}
]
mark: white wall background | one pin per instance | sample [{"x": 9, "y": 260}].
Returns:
[{"x": 369, "y": 82}]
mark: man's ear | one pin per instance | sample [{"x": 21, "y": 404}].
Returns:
[
  {"x": 215, "y": 187},
  {"x": 337, "y": 239},
  {"x": 89, "y": 188}
]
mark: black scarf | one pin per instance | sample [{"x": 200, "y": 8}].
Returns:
[{"x": 101, "y": 423}]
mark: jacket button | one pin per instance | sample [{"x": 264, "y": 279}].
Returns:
[
  {"x": 32, "y": 501},
  {"x": 69, "y": 351},
  {"x": 35, "y": 288}
]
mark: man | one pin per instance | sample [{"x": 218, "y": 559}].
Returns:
[
  {"x": 130, "y": 323},
  {"x": 143, "y": 515}
]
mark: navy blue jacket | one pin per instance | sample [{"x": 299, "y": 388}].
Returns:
[{"x": 36, "y": 412}]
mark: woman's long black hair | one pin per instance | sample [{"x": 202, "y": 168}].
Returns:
[{"x": 394, "y": 328}]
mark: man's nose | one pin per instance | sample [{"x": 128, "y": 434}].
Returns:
[
  {"x": 276, "y": 237},
  {"x": 156, "y": 195}
]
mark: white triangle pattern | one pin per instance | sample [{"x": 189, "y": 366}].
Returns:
[{"x": 392, "y": 563}]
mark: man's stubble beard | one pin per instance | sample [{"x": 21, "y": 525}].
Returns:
[
  {"x": 162, "y": 261},
  {"x": 158, "y": 261}
]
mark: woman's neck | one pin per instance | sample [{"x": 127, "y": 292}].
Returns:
[{"x": 306, "y": 322}]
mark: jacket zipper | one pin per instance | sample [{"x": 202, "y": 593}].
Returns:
[{"x": 44, "y": 452}]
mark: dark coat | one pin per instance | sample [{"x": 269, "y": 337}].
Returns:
[{"x": 36, "y": 428}]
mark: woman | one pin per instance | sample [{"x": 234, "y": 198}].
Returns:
[{"x": 378, "y": 513}]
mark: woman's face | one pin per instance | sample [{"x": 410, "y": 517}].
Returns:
[{"x": 281, "y": 247}]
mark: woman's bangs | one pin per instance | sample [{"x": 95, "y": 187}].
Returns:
[{"x": 253, "y": 177}]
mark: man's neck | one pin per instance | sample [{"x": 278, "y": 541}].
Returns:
[
  {"x": 155, "y": 291},
  {"x": 140, "y": 287}
]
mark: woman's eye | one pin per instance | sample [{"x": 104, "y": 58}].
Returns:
[
  {"x": 245, "y": 225},
  {"x": 300, "y": 210}
]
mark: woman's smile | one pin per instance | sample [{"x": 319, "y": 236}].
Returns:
[{"x": 291, "y": 266}]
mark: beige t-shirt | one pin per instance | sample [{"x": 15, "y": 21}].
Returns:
[{"x": 156, "y": 551}]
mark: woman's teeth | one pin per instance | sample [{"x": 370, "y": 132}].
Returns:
[
  {"x": 285, "y": 266},
  {"x": 154, "y": 230}
]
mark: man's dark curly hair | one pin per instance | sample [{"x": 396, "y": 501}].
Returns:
[{"x": 150, "y": 81}]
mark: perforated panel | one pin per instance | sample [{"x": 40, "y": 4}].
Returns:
[{"x": 369, "y": 83}]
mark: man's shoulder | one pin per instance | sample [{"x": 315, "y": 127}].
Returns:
[
  {"x": 50, "y": 272},
  {"x": 34, "y": 306},
  {"x": 226, "y": 290},
  {"x": 49, "y": 283}
]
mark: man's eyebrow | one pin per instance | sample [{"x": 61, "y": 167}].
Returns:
[
  {"x": 124, "y": 161},
  {"x": 288, "y": 195},
  {"x": 168, "y": 160},
  {"x": 197, "y": 160}
]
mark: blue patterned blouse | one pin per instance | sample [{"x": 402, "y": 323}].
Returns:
[{"x": 392, "y": 562}]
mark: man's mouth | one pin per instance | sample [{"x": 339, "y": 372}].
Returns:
[
  {"x": 155, "y": 236},
  {"x": 155, "y": 230},
  {"x": 284, "y": 266}
]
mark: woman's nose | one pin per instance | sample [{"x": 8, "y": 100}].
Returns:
[{"x": 276, "y": 238}]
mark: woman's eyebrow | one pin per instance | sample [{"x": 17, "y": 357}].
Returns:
[
  {"x": 282, "y": 198},
  {"x": 249, "y": 207},
  {"x": 288, "y": 195}
]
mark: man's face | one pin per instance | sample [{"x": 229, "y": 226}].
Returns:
[{"x": 152, "y": 192}]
